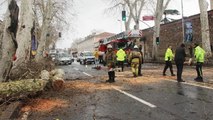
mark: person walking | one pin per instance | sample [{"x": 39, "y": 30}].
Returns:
[
  {"x": 110, "y": 62},
  {"x": 168, "y": 60},
  {"x": 180, "y": 55},
  {"x": 140, "y": 65},
  {"x": 199, "y": 54},
  {"x": 135, "y": 59},
  {"x": 121, "y": 55}
]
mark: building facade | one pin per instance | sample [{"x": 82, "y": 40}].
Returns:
[
  {"x": 172, "y": 34},
  {"x": 90, "y": 42}
]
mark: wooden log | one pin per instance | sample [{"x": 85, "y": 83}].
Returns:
[
  {"x": 21, "y": 87},
  {"x": 57, "y": 79},
  {"x": 45, "y": 75}
]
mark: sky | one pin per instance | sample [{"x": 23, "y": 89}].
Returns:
[{"x": 91, "y": 17}]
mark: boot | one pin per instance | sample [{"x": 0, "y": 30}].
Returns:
[
  {"x": 109, "y": 74},
  {"x": 112, "y": 76}
]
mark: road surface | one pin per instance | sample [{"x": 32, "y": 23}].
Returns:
[{"x": 149, "y": 97}]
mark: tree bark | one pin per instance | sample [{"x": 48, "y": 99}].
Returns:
[
  {"x": 44, "y": 31},
  {"x": 205, "y": 27},
  {"x": 9, "y": 44},
  {"x": 21, "y": 87},
  {"x": 127, "y": 24},
  {"x": 158, "y": 16},
  {"x": 25, "y": 31},
  {"x": 1, "y": 38},
  {"x": 135, "y": 9}
]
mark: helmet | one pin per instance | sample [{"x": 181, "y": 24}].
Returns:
[
  {"x": 135, "y": 47},
  {"x": 109, "y": 46}
]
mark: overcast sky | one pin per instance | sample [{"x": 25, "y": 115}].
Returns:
[{"x": 91, "y": 17}]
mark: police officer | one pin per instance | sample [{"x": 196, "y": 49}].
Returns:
[
  {"x": 135, "y": 59},
  {"x": 121, "y": 55},
  {"x": 168, "y": 60},
  {"x": 199, "y": 54},
  {"x": 110, "y": 62},
  {"x": 180, "y": 55}
]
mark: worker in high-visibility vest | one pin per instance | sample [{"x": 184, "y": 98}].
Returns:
[
  {"x": 121, "y": 55},
  {"x": 169, "y": 56},
  {"x": 199, "y": 54}
]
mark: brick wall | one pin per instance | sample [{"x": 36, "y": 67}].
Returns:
[{"x": 171, "y": 34}]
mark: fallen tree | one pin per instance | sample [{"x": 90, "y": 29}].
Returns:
[
  {"x": 49, "y": 80},
  {"x": 21, "y": 87}
]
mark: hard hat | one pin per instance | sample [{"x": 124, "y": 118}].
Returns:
[
  {"x": 109, "y": 46},
  {"x": 136, "y": 47}
]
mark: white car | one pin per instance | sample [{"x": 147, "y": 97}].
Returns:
[
  {"x": 63, "y": 59},
  {"x": 86, "y": 57}
]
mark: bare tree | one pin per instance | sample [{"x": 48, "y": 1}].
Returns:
[
  {"x": 160, "y": 7},
  {"x": 205, "y": 27},
  {"x": 115, "y": 9},
  {"x": 25, "y": 30},
  {"x": 9, "y": 43},
  {"x": 132, "y": 7},
  {"x": 135, "y": 8},
  {"x": 51, "y": 13}
]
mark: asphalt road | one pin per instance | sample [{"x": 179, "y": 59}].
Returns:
[{"x": 162, "y": 100}]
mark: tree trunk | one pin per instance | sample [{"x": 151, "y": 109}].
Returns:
[
  {"x": 158, "y": 16},
  {"x": 127, "y": 24},
  {"x": 21, "y": 87},
  {"x": 25, "y": 31},
  {"x": 9, "y": 44},
  {"x": 1, "y": 38},
  {"x": 205, "y": 27},
  {"x": 44, "y": 31}
]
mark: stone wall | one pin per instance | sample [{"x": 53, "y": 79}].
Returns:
[{"x": 171, "y": 34}]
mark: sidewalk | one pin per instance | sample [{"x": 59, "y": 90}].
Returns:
[{"x": 189, "y": 72}]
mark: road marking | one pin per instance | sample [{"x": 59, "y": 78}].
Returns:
[
  {"x": 76, "y": 69},
  {"x": 192, "y": 84},
  {"x": 87, "y": 74},
  {"x": 136, "y": 98}
]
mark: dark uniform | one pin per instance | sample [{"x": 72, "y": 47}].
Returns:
[
  {"x": 140, "y": 65},
  {"x": 180, "y": 55},
  {"x": 110, "y": 59}
]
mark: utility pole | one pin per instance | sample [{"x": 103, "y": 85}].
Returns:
[
  {"x": 182, "y": 21},
  {"x": 211, "y": 3}
]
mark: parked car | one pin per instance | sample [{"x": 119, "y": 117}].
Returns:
[
  {"x": 63, "y": 59},
  {"x": 78, "y": 58},
  {"x": 86, "y": 57}
]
